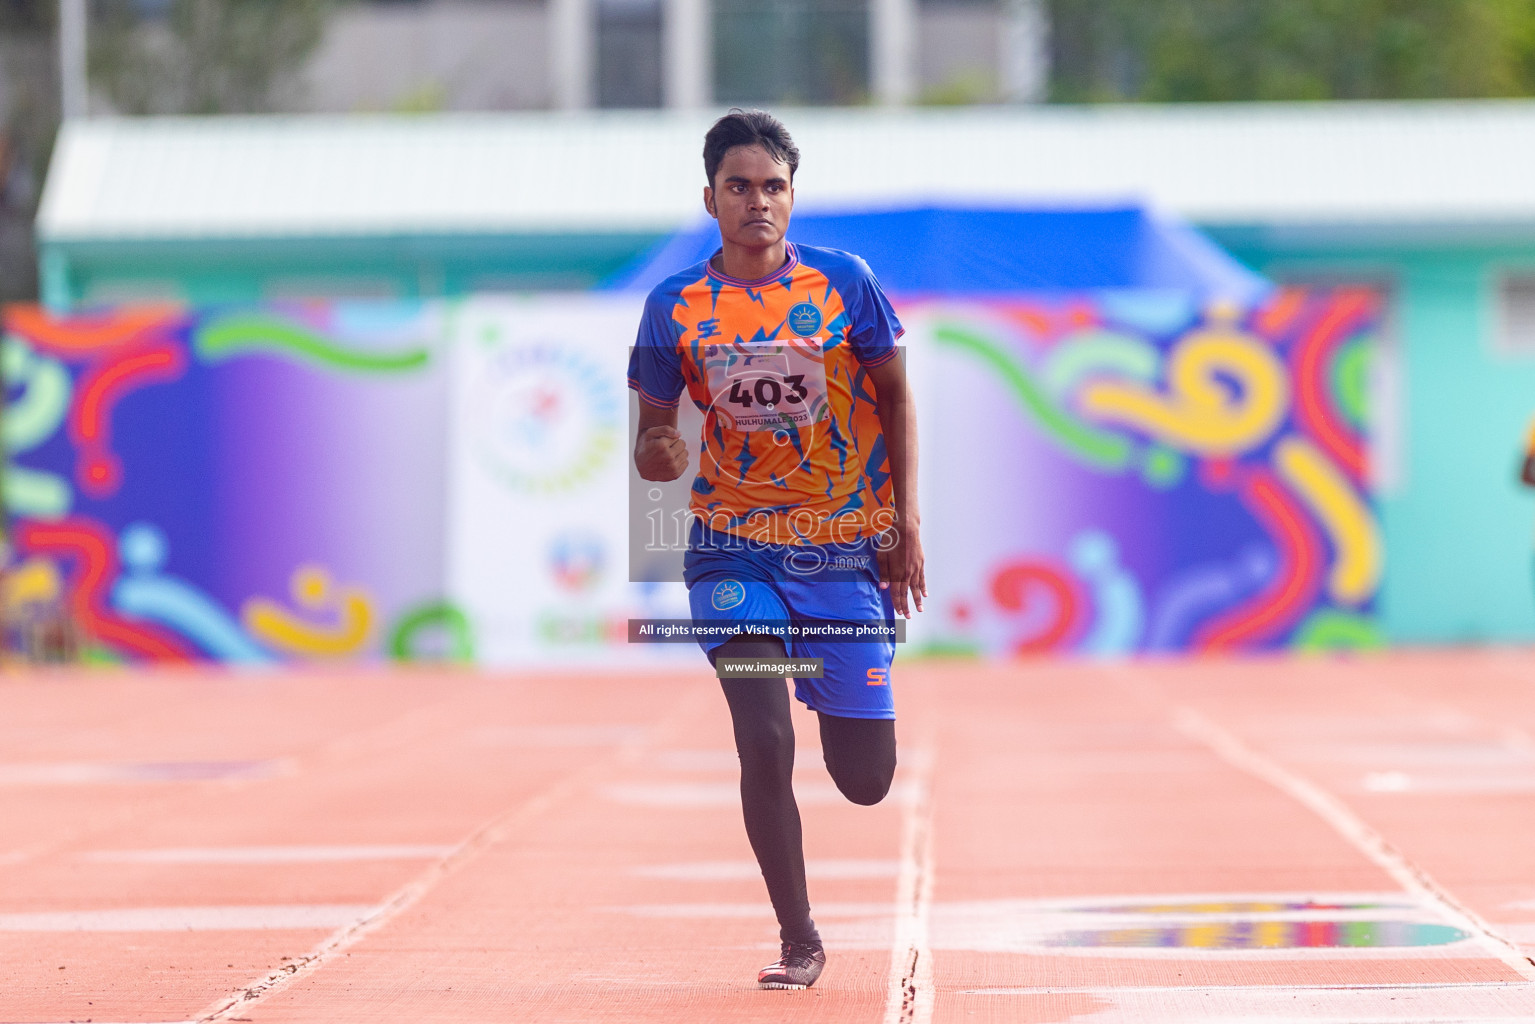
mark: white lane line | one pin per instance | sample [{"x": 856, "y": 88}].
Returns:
[
  {"x": 90, "y": 773},
  {"x": 188, "y": 919},
  {"x": 1354, "y": 830},
  {"x": 557, "y": 735},
  {"x": 1283, "y": 1004},
  {"x": 495, "y": 831},
  {"x": 1113, "y": 990},
  {"x": 700, "y": 760},
  {"x": 265, "y": 854},
  {"x": 725, "y": 794},
  {"x": 762, "y": 910},
  {"x": 744, "y": 870},
  {"x": 910, "y": 996}
]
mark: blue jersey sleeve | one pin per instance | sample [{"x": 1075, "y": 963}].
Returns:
[
  {"x": 873, "y": 327},
  {"x": 655, "y": 365}
]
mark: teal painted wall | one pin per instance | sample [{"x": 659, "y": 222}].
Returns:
[
  {"x": 1458, "y": 526},
  {"x": 248, "y": 270}
]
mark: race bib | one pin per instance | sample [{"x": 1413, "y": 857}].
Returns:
[{"x": 768, "y": 385}]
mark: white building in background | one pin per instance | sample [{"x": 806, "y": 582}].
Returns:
[{"x": 684, "y": 54}]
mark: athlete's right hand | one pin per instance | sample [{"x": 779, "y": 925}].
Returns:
[{"x": 660, "y": 453}]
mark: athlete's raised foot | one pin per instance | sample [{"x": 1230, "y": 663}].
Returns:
[{"x": 798, "y": 967}]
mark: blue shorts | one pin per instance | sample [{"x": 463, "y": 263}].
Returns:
[{"x": 734, "y": 581}]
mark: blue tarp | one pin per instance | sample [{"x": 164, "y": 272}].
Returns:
[{"x": 953, "y": 250}]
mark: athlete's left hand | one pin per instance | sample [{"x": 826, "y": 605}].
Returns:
[{"x": 902, "y": 568}]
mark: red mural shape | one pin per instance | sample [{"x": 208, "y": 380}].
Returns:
[
  {"x": 1048, "y": 323},
  {"x": 86, "y": 334},
  {"x": 1279, "y": 312},
  {"x": 93, "y": 550},
  {"x": 1034, "y": 319},
  {"x": 1296, "y": 583},
  {"x": 1311, "y": 365},
  {"x": 98, "y": 469},
  {"x": 1017, "y": 585}
]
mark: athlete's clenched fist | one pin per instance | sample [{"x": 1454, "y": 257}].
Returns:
[{"x": 660, "y": 453}]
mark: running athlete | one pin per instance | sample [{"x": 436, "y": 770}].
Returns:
[{"x": 804, "y": 508}]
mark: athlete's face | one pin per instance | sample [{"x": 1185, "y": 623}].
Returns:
[{"x": 751, "y": 198}]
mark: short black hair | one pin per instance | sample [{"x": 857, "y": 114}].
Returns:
[{"x": 748, "y": 128}]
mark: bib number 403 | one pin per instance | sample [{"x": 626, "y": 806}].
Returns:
[{"x": 768, "y": 391}]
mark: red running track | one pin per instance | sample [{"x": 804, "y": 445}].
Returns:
[{"x": 1192, "y": 841}]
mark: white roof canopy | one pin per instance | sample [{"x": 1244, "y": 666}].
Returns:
[{"x": 1356, "y": 164}]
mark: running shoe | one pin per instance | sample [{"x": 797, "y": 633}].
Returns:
[{"x": 798, "y": 967}]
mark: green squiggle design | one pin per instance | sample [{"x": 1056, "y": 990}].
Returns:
[
  {"x": 34, "y": 417},
  {"x": 1162, "y": 467},
  {"x": 1350, "y": 379},
  {"x": 1096, "y": 446},
  {"x": 1075, "y": 358},
  {"x": 442, "y": 614},
  {"x": 35, "y": 494},
  {"x": 28, "y": 422},
  {"x": 236, "y": 334},
  {"x": 1328, "y": 629}
]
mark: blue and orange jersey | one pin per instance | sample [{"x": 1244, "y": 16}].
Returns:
[{"x": 791, "y": 451}]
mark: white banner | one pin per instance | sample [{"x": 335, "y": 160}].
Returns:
[{"x": 538, "y": 507}]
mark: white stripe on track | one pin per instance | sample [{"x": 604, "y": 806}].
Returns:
[
  {"x": 910, "y": 997},
  {"x": 724, "y": 794},
  {"x": 189, "y": 919},
  {"x": 748, "y": 870},
  {"x": 488, "y": 835},
  {"x": 1298, "y": 990},
  {"x": 266, "y": 854},
  {"x": 1354, "y": 830}
]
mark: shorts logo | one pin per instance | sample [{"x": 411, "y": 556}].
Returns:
[
  {"x": 879, "y": 677},
  {"x": 804, "y": 319},
  {"x": 727, "y": 594}
]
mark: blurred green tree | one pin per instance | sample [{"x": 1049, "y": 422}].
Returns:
[
  {"x": 202, "y": 56},
  {"x": 1225, "y": 50}
]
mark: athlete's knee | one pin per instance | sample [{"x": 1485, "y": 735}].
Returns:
[
  {"x": 867, "y": 785},
  {"x": 766, "y": 746},
  {"x": 860, "y": 756},
  {"x": 864, "y": 778}
]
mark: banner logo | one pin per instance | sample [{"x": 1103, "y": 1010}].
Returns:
[{"x": 546, "y": 418}]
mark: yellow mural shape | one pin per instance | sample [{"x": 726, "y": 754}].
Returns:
[
  {"x": 1343, "y": 514},
  {"x": 35, "y": 581},
  {"x": 313, "y": 591},
  {"x": 1201, "y": 412}
]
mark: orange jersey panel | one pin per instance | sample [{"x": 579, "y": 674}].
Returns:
[{"x": 792, "y": 450}]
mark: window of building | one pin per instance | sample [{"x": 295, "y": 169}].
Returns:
[
  {"x": 959, "y": 50},
  {"x": 813, "y": 52},
  {"x": 629, "y": 53},
  {"x": 1515, "y": 334}
]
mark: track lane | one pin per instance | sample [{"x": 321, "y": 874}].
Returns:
[{"x": 1071, "y": 822}]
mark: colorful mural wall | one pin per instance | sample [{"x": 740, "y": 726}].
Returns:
[
  {"x": 1104, "y": 473},
  {"x": 1127, "y": 472},
  {"x": 226, "y": 483}
]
